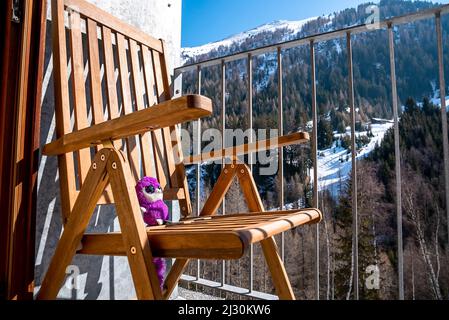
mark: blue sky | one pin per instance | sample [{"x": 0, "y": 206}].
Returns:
[{"x": 205, "y": 21}]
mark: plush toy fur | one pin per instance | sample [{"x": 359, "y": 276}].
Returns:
[{"x": 155, "y": 212}]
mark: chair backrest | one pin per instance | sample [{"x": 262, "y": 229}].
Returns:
[{"x": 104, "y": 68}]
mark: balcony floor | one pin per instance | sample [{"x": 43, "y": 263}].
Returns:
[{"x": 184, "y": 294}]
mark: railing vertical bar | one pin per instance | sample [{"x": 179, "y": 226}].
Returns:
[
  {"x": 250, "y": 156},
  {"x": 223, "y": 135},
  {"x": 315, "y": 165},
  {"x": 281, "y": 149},
  {"x": 397, "y": 154},
  {"x": 198, "y": 169},
  {"x": 250, "y": 107},
  {"x": 355, "y": 231},
  {"x": 443, "y": 112}
]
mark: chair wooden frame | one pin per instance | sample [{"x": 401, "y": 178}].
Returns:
[{"x": 111, "y": 175}]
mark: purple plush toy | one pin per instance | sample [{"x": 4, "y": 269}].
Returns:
[{"x": 155, "y": 212}]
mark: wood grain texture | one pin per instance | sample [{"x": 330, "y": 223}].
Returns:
[
  {"x": 166, "y": 114},
  {"x": 148, "y": 74},
  {"x": 135, "y": 74},
  {"x": 109, "y": 66},
  {"x": 102, "y": 17},
  {"x": 161, "y": 76},
  {"x": 66, "y": 164},
  {"x": 249, "y": 189},
  {"x": 111, "y": 83},
  {"x": 79, "y": 90},
  {"x": 95, "y": 76},
  {"x": 173, "y": 276},
  {"x": 214, "y": 237},
  {"x": 159, "y": 158},
  {"x": 184, "y": 201},
  {"x": 262, "y": 145},
  {"x": 265, "y": 234},
  {"x": 131, "y": 141},
  {"x": 276, "y": 266},
  {"x": 161, "y": 137},
  {"x": 219, "y": 190},
  {"x": 134, "y": 235},
  {"x": 96, "y": 181}
]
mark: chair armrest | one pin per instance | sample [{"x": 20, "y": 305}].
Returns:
[
  {"x": 262, "y": 145},
  {"x": 165, "y": 114}
]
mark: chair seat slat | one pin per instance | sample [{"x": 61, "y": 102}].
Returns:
[{"x": 228, "y": 242}]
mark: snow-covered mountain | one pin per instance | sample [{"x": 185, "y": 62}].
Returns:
[{"x": 291, "y": 30}]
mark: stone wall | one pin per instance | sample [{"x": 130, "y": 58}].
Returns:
[{"x": 99, "y": 277}]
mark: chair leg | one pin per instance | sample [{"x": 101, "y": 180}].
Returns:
[
  {"x": 249, "y": 189},
  {"x": 96, "y": 181},
  {"x": 276, "y": 266},
  {"x": 219, "y": 191},
  {"x": 135, "y": 238},
  {"x": 174, "y": 275}
]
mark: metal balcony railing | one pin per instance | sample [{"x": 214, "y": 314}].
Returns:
[{"x": 311, "y": 41}]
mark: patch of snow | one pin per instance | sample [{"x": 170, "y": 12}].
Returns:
[
  {"x": 437, "y": 102},
  {"x": 334, "y": 164},
  {"x": 338, "y": 46},
  {"x": 382, "y": 120}
]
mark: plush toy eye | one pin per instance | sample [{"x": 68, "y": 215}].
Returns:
[{"x": 149, "y": 189}]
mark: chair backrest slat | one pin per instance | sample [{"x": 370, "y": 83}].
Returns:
[
  {"x": 95, "y": 75},
  {"x": 139, "y": 89},
  {"x": 111, "y": 82},
  {"x": 172, "y": 138},
  {"x": 111, "y": 87},
  {"x": 131, "y": 142},
  {"x": 135, "y": 70},
  {"x": 127, "y": 72},
  {"x": 113, "y": 23},
  {"x": 62, "y": 110},
  {"x": 163, "y": 94},
  {"x": 79, "y": 91},
  {"x": 159, "y": 158},
  {"x": 148, "y": 73},
  {"x": 162, "y": 85}
]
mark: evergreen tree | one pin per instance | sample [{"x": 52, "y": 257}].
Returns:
[
  {"x": 366, "y": 249},
  {"x": 325, "y": 134}
]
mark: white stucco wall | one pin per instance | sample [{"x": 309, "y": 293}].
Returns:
[{"x": 99, "y": 277}]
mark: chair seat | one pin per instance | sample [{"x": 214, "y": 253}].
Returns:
[{"x": 211, "y": 237}]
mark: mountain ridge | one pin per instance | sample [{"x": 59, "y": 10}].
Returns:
[{"x": 293, "y": 27}]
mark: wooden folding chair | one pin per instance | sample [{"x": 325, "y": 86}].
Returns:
[{"x": 101, "y": 159}]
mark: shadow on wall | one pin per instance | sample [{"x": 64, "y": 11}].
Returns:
[{"x": 99, "y": 277}]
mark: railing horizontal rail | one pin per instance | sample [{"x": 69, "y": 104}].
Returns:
[
  {"x": 331, "y": 35},
  {"x": 230, "y": 289}
]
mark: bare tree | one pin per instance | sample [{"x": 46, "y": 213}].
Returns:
[
  {"x": 415, "y": 194},
  {"x": 437, "y": 243},
  {"x": 325, "y": 209}
]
